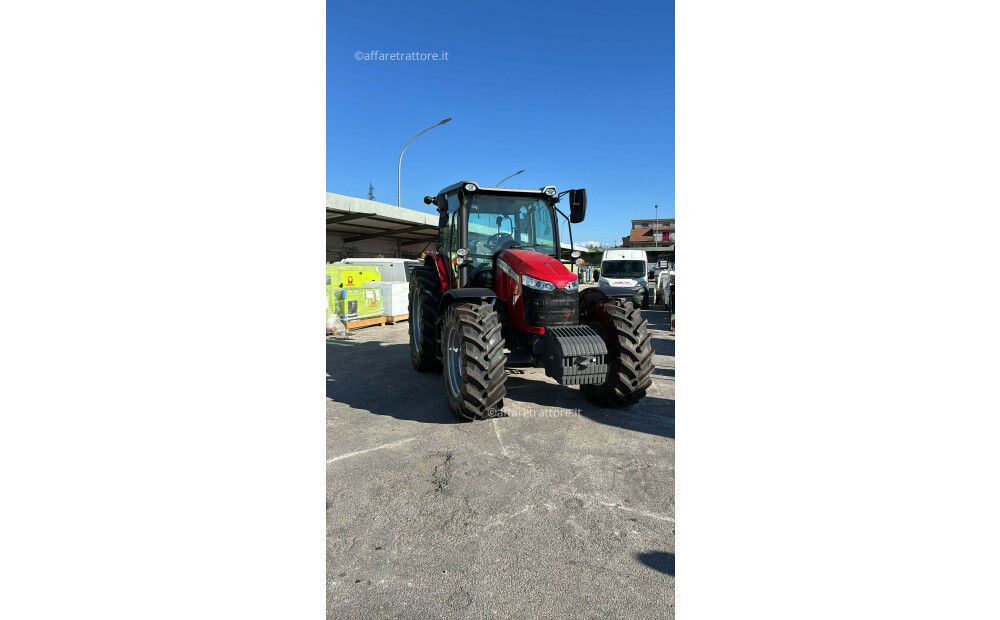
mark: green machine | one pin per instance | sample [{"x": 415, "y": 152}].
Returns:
[
  {"x": 352, "y": 304},
  {"x": 338, "y": 276},
  {"x": 346, "y": 296}
]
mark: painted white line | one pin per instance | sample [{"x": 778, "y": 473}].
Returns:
[
  {"x": 496, "y": 430},
  {"x": 503, "y": 520},
  {"x": 642, "y": 512},
  {"x": 388, "y": 445}
]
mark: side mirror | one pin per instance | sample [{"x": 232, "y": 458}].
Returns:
[
  {"x": 429, "y": 201},
  {"x": 577, "y": 205}
]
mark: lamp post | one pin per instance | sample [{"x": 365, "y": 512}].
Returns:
[
  {"x": 656, "y": 224},
  {"x": 513, "y": 175},
  {"x": 399, "y": 169}
]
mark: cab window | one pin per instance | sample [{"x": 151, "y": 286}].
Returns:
[{"x": 447, "y": 237}]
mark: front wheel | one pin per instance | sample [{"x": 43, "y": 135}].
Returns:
[
  {"x": 472, "y": 351},
  {"x": 630, "y": 355}
]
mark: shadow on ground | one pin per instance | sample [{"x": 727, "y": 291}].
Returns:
[
  {"x": 662, "y": 346},
  {"x": 658, "y": 319},
  {"x": 382, "y": 381},
  {"x": 658, "y": 322},
  {"x": 658, "y": 560},
  {"x": 651, "y": 415}
]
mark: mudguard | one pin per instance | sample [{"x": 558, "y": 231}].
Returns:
[
  {"x": 466, "y": 294},
  {"x": 437, "y": 261}
]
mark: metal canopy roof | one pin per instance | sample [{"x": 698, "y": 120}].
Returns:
[{"x": 356, "y": 220}]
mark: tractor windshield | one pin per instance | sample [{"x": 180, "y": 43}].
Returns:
[{"x": 501, "y": 222}]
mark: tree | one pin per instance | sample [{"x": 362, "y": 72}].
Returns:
[{"x": 371, "y": 191}]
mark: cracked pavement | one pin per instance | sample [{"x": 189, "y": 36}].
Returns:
[{"x": 563, "y": 509}]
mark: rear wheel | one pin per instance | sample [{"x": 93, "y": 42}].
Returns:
[
  {"x": 630, "y": 356},
  {"x": 472, "y": 350},
  {"x": 425, "y": 299}
]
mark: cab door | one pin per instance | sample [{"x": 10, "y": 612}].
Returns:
[{"x": 448, "y": 236}]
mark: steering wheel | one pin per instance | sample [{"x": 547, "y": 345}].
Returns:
[
  {"x": 499, "y": 240},
  {"x": 482, "y": 247}
]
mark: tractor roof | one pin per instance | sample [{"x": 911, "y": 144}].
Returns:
[{"x": 508, "y": 190}]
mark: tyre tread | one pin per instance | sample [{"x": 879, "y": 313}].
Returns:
[
  {"x": 630, "y": 356},
  {"x": 483, "y": 375},
  {"x": 425, "y": 284}
]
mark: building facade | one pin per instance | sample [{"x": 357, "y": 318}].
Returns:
[{"x": 650, "y": 233}]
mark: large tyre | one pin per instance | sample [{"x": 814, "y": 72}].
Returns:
[
  {"x": 630, "y": 356},
  {"x": 472, "y": 350},
  {"x": 425, "y": 299}
]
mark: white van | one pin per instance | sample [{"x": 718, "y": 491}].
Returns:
[{"x": 626, "y": 268}]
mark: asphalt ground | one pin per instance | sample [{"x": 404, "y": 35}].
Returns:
[{"x": 560, "y": 510}]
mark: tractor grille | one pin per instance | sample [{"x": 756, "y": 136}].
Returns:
[{"x": 550, "y": 308}]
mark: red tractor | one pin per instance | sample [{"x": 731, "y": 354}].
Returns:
[{"x": 496, "y": 293}]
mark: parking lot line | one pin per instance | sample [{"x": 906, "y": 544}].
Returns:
[
  {"x": 642, "y": 512},
  {"x": 496, "y": 430},
  {"x": 388, "y": 445}
]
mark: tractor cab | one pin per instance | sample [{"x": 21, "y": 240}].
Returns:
[{"x": 477, "y": 223}]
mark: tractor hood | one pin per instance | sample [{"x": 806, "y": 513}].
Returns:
[{"x": 538, "y": 265}]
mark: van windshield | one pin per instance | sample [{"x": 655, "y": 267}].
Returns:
[{"x": 623, "y": 269}]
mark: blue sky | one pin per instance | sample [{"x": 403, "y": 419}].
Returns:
[{"x": 578, "y": 94}]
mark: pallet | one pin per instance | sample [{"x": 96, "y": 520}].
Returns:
[
  {"x": 349, "y": 325},
  {"x": 395, "y": 319},
  {"x": 375, "y": 320}
]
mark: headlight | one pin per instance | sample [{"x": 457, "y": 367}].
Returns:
[
  {"x": 535, "y": 283},
  {"x": 470, "y": 187},
  {"x": 551, "y": 191},
  {"x": 603, "y": 282},
  {"x": 572, "y": 286}
]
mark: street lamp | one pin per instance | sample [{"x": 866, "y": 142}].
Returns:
[
  {"x": 399, "y": 169},
  {"x": 656, "y": 224},
  {"x": 513, "y": 175}
]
